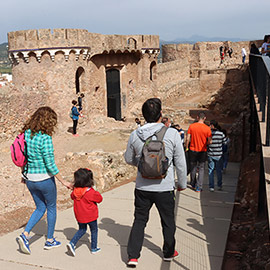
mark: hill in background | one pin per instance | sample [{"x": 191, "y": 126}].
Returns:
[{"x": 5, "y": 65}]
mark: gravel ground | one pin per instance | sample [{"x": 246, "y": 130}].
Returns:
[{"x": 16, "y": 204}]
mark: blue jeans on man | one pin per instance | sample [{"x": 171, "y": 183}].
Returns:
[{"x": 215, "y": 163}]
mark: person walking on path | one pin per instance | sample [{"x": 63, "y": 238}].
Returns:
[
  {"x": 155, "y": 191},
  {"x": 180, "y": 131},
  {"x": 166, "y": 121},
  {"x": 225, "y": 151},
  {"x": 75, "y": 117},
  {"x": 198, "y": 137},
  {"x": 85, "y": 208},
  {"x": 214, "y": 154},
  {"x": 40, "y": 175}
]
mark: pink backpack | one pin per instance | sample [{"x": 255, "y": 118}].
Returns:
[{"x": 19, "y": 151}]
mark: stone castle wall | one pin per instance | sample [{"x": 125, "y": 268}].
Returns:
[
  {"x": 172, "y": 71},
  {"x": 61, "y": 38},
  {"x": 47, "y": 61},
  {"x": 205, "y": 54},
  {"x": 50, "y": 78}
]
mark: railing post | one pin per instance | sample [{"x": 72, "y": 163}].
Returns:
[{"x": 262, "y": 192}]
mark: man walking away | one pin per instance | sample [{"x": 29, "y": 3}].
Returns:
[
  {"x": 155, "y": 191},
  {"x": 198, "y": 137},
  {"x": 244, "y": 54},
  {"x": 214, "y": 153}
]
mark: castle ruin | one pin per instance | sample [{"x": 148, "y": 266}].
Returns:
[{"x": 111, "y": 70}]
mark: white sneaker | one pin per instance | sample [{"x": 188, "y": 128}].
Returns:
[{"x": 211, "y": 189}]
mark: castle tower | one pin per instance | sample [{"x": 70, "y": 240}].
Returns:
[{"x": 111, "y": 70}]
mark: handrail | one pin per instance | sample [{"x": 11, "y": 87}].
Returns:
[{"x": 260, "y": 77}]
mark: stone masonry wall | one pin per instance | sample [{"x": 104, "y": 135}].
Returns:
[
  {"x": 205, "y": 54},
  {"x": 48, "y": 38},
  {"x": 172, "y": 71},
  {"x": 16, "y": 107},
  {"x": 46, "y": 61}
]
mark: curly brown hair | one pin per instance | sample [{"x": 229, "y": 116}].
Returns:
[{"x": 44, "y": 120}]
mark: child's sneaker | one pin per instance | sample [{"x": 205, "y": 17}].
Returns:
[
  {"x": 198, "y": 189},
  {"x": 54, "y": 243},
  {"x": 71, "y": 248},
  {"x": 175, "y": 255},
  {"x": 132, "y": 262},
  {"x": 95, "y": 250},
  {"x": 23, "y": 244}
]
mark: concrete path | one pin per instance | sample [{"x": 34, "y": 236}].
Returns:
[{"x": 202, "y": 220}]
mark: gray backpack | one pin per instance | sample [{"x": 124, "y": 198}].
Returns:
[{"x": 153, "y": 163}]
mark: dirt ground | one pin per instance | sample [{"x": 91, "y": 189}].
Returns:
[
  {"x": 16, "y": 204},
  {"x": 248, "y": 244}
]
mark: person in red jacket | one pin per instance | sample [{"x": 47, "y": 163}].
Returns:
[{"x": 85, "y": 208}]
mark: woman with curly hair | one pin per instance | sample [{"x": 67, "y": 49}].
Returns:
[{"x": 40, "y": 173}]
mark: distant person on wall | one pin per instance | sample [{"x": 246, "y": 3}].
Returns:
[
  {"x": 40, "y": 175},
  {"x": 85, "y": 199},
  {"x": 266, "y": 46},
  {"x": 254, "y": 49},
  {"x": 198, "y": 137},
  {"x": 221, "y": 54},
  {"x": 244, "y": 54},
  {"x": 230, "y": 51},
  {"x": 166, "y": 121},
  {"x": 214, "y": 154},
  {"x": 75, "y": 117}
]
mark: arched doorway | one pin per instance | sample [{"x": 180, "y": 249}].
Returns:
[
  {"x": 78, "y": 79},
  {"x": 113, "y": 94},
  {"x": 153, "y": 70}
]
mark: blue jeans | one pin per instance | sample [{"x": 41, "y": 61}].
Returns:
[
  {"x": 215, "y": 163},
  {"x": 225, "y": 158},
  {"x": 44, "y": 195},
  {"x": 82, "y": 230}
]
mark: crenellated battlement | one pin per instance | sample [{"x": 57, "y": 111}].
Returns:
[{"x": 80, "y": 41}]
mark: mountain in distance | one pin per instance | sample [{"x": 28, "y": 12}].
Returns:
[
  {"x": 5, "y": 65},
  {"x": 197, "y": 38}
]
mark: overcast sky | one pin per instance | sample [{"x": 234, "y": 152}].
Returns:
[{"x": 170, "y": 19}]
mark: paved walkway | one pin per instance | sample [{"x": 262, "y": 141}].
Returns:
[{"x": 202, "y": 220}]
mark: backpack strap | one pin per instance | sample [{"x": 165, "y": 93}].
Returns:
[
  {"x": 25, "y": 168},
  {"x": 160, "y": 134}
]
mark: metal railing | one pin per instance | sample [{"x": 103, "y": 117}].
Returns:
[
  {"x": 260, "y": 88},
  {"x": 260, "y": 113}
]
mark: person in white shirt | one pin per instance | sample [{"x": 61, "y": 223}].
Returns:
[
  {"x": 244, "y": 54},
  {"x": 266, "y": 46}
]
